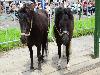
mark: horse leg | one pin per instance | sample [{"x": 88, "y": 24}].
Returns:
[
  {"x": 59, "y": 53},
  {"x": 68, "y": 53},
  {"x": 46, "y": 44},
  {"x": 39, "y": 56},
  {"x": 64, "y": 50},
  {"x": 46, "y": 49},
  {"x": 31, "y": 56},
  {"x": 38, "y": 50},
  {"x": 43, "y": 48}
]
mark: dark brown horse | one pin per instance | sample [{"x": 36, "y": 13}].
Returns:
[
  {"x": 34, "y": 30},
  {"x": 63, "y": 29}
]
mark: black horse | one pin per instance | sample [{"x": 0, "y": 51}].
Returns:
[
  {"x": 63, "y": 29},
  {"x": 34, "y": 30}
]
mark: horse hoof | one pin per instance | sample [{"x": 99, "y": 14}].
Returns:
[
  {"x": 59, "y": 67},
  {"x": 39, "y": 68},
  {"x": 32, "y": 68},
  {"x": 46, "y": 55},
  {"x": 42, "y": 60},
  {"x": 67, "y": 67}
]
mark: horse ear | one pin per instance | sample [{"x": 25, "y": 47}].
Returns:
[
  {"x": 69, "y": 13},
  {"x": 18, "y": 14},
  {"x": 26, "y": 7}
]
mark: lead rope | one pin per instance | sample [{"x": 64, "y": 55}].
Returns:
[
  {"x": 30, "y": 29},
  {"x": 58, "y": 31},
  {"x": 64, "y": 32}
]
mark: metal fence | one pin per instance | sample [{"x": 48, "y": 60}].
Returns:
[{"x": 9, "y": 31}]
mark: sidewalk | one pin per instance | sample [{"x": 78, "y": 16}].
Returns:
[{"x": 95, "y": 71}]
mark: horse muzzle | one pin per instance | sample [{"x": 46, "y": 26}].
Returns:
[
  {"x": 24, "y": 38},
  {"x": 65, "y": 39},
  {"x": 25, "y": 34}
]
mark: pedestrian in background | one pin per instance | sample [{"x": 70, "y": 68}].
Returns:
[
  {"x": 79, "y": 10},
  {"x": 43, "y": 5},
  {"x": 1, "y": 8}
]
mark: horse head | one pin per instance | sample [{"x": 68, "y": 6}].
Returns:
[
  {"x": 64, "y": 32},
  {"x": 25, "y": 22},
  {"x": 63, "y": 21}
]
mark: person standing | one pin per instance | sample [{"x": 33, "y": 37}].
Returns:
[
  {"x": 43, "y": 4},
  {"x": 1, "y": 8},
  {"x": 79, "y": 10}
]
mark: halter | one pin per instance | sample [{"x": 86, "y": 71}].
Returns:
[
  {"x": 64, "y": 32},
  {"x": 29, "y": 31}
]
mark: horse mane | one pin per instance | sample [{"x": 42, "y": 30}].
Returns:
[
  {"x": 60, "y": 11},
  {"x": 43, "y": 11},
  {"x": 69, "y": 13},
  {"x": 22, "y": 10},
  {"x": 58, "y": 14}
]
